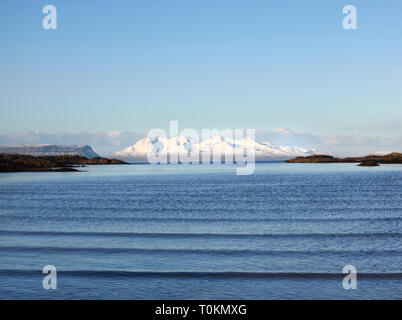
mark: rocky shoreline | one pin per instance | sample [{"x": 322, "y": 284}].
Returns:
[
  {"x": 368, "y": 161},
  {"x": 63, "y": 163}
]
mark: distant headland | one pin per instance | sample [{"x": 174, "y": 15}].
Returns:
[
  {"x": 19, "y": 162},
  {"x": 368, "y": 161},
  {"x": 50, "y": 150}
]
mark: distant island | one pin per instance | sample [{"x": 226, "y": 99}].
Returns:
[
  {"x": 368, "y": 161},
  {"x": 19, "y": 162},
  {"x": 50, "y": 150}
]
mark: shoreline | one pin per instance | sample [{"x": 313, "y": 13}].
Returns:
[
  {"x": 367, "y": 161},
  {"x": 62, "y": 163}
]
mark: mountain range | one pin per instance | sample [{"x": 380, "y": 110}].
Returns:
[{"x": 263, "y": 150}]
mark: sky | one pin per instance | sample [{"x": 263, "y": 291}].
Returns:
[{"x": 121, "y": 68}]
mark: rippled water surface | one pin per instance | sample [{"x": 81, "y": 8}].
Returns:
[{"x": 202, "y": 232}]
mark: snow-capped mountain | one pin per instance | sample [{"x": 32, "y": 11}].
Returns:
[{"x": 184, "y": 145}]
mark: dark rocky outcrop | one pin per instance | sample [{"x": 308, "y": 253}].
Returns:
[
  {"x": 18, "y": 162},
  {"x": 317, "y": 158},
  {"x": 369, "y": 163},
  {"x": 371, "y": 160}
]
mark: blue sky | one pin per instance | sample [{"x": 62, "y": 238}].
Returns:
[{"x": 136, "y": 65}]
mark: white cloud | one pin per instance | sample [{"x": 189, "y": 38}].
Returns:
[
  {"x": 353, "y": 144},
  {"x": 288, "y": 137}
]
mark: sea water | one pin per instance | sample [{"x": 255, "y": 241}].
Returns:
[{"x": 202, "y": 232}]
